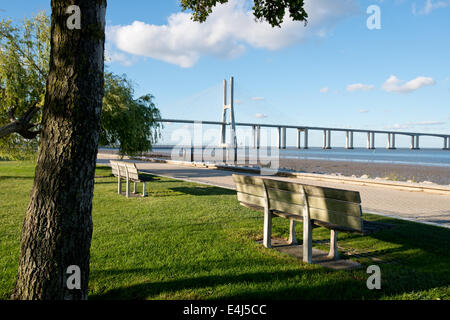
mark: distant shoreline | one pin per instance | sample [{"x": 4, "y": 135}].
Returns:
[{"x": 391, "y": 171}]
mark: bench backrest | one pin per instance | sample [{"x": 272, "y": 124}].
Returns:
[
  {"x": 335, "y": 208},
  {"x": 125, "y": 169}
]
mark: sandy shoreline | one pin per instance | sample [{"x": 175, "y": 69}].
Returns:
[{"x": 389, "y": 171}]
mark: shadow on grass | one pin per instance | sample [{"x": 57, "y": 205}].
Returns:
[
  {"x": 287, "y": 285},
  {"x": 431, "y": 239},
  {"x": 204, "y": 191},
  {"x": 15, "y": 178},
  {"x": 150, "y": 289}
]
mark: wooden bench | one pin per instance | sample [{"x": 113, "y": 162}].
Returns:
[
  {"x": 128, "y": 172},
  {"x": 335, "y": 209}
]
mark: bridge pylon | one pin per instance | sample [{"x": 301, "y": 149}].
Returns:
[{"x": 232, "y": 123}]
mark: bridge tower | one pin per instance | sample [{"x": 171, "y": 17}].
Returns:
[{"x": 228, "y": 106}]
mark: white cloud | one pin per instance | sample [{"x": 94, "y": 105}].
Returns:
[
  {"x": 260, "y": 115},
  {"x": 324, "y": 90},
  {"x": 412, "y": 125},
  {"x": 359, "y": 86},
  {"x": 393, "y": 84},
  {"x": 430, "y": 6},
  {"x": 428, "y": 123},
  {"x": 258, "y": 99},
  {"x": 363, "y": 111},
  {"x": 227, "y": 33},
  {"x": 397, "y": 126}
]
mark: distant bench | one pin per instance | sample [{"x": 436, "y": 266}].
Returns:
[
  {"x": 335, "y": 209},
  {"x": 128, "y": 172}
]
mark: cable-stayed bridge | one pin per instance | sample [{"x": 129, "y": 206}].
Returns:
[{"x": 302, "y": 131}]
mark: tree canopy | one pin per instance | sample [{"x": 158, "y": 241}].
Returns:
[
  {"x": 272, "y": 11},
  {"x": 24, "y": 54},
  {"x": 127, "y": 123}
]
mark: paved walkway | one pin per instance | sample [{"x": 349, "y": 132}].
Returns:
[{"x": 410, "y": 205}]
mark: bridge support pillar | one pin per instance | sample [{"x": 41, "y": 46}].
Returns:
[
  {"x": 446, "y": 143},
  {"x": 390, "y": 141},
  {"x": 254, "y": 137},
  {"x": 370, "y": 140},
  {"x": 258, "y": 137},
  {"x": 299, "y": 137},
  {"x": 328, "y": 144},
  {"x": 305, "y": 137},
  {"x": 415, "y": 143},
  {"x": 279, "y": 138},
  {"x": 349, "y": 140},
  {"x": 283, "y": 138}
]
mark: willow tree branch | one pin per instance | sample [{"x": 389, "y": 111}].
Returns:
[
  {"x": 30, "y": 60},
  {"x": 22, "y": 125}
]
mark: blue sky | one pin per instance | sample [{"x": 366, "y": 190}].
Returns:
[{"x": 333, "y": 72}]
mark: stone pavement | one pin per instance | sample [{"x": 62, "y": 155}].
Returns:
[{"x": 410, "y": 205}]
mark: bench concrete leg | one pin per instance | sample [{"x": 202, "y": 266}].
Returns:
[
  {"x": 292, "y": 238},
  {"x": 144, "y": 190},
  {"x": 267, "y": 228},
  {"x": 307, "y": 241},
  {"x": 333, "y": 254},
  {"x": 128, "y": 188},
  {"x": 134, "y": 187},
  {"x": 119, "y": 185}
]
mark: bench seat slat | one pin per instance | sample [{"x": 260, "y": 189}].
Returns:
[
  {"x": 333, "y": 217},
  {"x": 122, "y": 168},
  {"x": 247, "y": 180},
  {"x": 252, "y": 189},
  {"x": 330, "y": 193},
  {"x": 250, "y": 199},
  {"x": 350, "y": 208},
  {"x": 337, "y": 218}
]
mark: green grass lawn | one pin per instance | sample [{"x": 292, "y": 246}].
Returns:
[{"x": 190, "y": 241}]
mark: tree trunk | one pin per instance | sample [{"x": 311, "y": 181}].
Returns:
[{"x": 57, "y": 230}]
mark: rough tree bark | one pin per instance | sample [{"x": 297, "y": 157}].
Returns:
[{"x": 57, "y": 229}]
